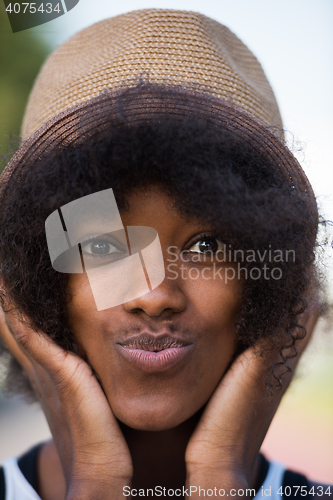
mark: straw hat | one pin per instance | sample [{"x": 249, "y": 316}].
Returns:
[{"x": 174, "y": 49}]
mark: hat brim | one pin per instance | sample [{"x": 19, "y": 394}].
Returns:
[{"x": 146, "y": 102}]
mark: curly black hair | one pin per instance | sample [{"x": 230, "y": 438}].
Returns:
[{"x": 210, "y": 172}]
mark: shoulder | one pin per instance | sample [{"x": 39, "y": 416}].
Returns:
[
  {"x": 281, "y": 484},
  {"x": 2, "y": 484},
  {"x": 322, "y": 491},
  {"x": 19, "y": 475},
  {"x": 298, "y": 486}
]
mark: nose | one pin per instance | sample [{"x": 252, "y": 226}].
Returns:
[{"x": 164, "y": 298}]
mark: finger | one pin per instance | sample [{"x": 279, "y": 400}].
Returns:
[
  {"x": 244, "y": 390},
  {"x": 39, "y": 349},
  {"x": 13, "y": 345},
  {"x": 287, "y": 357},
  {"x": 244, "y": 397}
]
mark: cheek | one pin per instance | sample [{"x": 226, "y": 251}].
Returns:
[
  {"x": 84, "y": 318},
  {"x": 215, "y": 301},
  {"x": 215, "y": 306}
]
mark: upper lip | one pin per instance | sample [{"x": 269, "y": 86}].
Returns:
[{"x": 153, "y": 342}]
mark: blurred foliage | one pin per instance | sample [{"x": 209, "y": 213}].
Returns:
[{"x": 21, "y": 56}]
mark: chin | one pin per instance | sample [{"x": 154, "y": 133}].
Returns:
[{"x": 153, "y": 416}]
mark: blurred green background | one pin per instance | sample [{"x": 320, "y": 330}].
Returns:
[{"x": 21, "y": 56}]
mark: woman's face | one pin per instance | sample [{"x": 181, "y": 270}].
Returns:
[{"x": 160, "y": 356}]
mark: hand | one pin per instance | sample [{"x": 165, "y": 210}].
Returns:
[
  {"x": 224, "y": 447},
  {"x": 92, "y": 450}
]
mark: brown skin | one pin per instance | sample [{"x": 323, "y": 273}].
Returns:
[
  {"x": 202, "y": 311},
  {"x": 217, "y": 448}
]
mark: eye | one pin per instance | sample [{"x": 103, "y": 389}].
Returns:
[
  {"x": 100, "y": 247},
  {"x": 207, "y": 244}
]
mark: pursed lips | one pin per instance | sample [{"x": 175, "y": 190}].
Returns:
[
  {"x": 150, "y": 342},
  {"x": 154, "y": 352}
]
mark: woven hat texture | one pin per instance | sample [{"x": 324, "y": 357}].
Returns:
[
  {"x": 202, "y": 60},
  {"x": 164, "y": 46}
]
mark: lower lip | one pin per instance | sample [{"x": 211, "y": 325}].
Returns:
[{"x": 154, "y": 362}]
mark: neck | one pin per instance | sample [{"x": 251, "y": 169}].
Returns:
[{"x": 159, "y": 456}]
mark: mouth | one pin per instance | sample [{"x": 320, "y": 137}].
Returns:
[{"x": 154, "y": 353}]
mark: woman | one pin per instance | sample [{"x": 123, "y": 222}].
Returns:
[{"x": 172, "y": 388}]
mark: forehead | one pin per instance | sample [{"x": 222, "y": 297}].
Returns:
[{"x": 153, "y": 207}]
